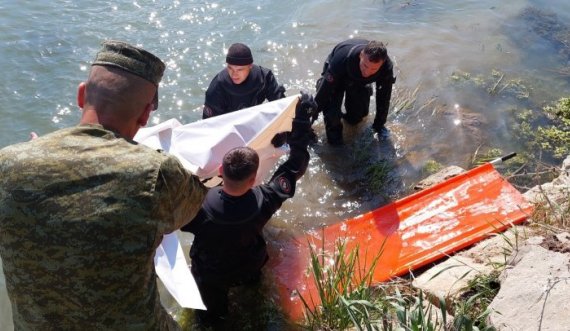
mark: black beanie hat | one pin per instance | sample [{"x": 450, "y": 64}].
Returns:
[{"x": 239, "y": 55}]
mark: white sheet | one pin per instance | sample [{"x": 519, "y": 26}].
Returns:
[{"x": 200, "y": 147}]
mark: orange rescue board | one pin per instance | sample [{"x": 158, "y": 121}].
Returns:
[{"x": 415, "y": 231}]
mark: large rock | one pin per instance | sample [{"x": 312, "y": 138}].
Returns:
[
  {"x": 449, "y": 278},
  {"x": 534, "y": 292},
  {"x": 536, "y": 282}
]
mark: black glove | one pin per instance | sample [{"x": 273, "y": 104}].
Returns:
[
  {"x": 306, "y": 109},
  {"x": 280, "y": 139},
  {"x": 302, "y": 133}
]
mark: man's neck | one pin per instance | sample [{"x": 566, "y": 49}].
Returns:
[{"x": 235, "y": 192}]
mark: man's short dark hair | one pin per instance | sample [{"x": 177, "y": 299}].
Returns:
[
  {"x": 240, "y": 163},
  {"x": 375, "y": 51}
]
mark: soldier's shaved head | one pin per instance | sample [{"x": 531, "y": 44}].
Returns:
[
  {"x": 116, "y": 93},
  {"x": 122, "y": 88}
]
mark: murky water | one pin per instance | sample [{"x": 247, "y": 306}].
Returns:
[{"x": 457, "y": 56}]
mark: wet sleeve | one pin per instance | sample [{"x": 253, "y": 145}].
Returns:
[
  {"x": 326, "y": 85},
  {"x": 383, "y": 95},
  {"x": 283, "y": 183},
  {"x": 214, "y": 104},
  {"x": 180, "y": 195},
  {"x": 274, "y": 90}
]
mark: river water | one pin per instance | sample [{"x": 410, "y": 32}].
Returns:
[{"x": 453, "y": 59}]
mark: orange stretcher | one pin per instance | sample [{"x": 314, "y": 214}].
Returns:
[{"x": 412, "y": 232}]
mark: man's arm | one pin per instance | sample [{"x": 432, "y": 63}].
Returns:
[
  {"x": 214, "y": 102},
  {"x": 334, "y": 70},
  {"x": 383, "y": 96},
  {"x": 325, "y": 88},
  {"x": 180, "y": 195},
  {"x": 274, "y": 90},
  {"x": 282, "y": 184}
]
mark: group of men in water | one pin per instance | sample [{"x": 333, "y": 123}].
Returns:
[
  {"x": 348, "y": 73},
  {"x": 83, "y": 209}
]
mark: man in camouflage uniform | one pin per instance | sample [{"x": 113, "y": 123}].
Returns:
[{"x": 83, "y": 209}]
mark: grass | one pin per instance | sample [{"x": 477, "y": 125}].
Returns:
[
  {"x": 553, "y": 216},
  {"x": 349, "y": 304},
  {"x": 431, "y": 167},
  {"x": 354, "y": 303},
  {"x": 404, "y": 99},
  {"x": 494, "y": 83},
  {"x": 471, "y": 308},
  {"x": 377, "y": 173},
  {"x": 348, "y": 300},
  {"x": 344, "y": 289}
]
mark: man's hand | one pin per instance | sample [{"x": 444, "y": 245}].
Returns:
[
  {"x": 280, "y": 139},
  {"x": 305, "y": 112},
  {"x": 306, "y": 109}
]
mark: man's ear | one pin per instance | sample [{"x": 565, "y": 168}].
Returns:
[
  {"x": 81, "y": 94},
  {"x": 221, "y": 170},
  {"x": 143, "y": 118}
]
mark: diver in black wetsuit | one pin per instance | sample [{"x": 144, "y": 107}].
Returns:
[
  {"x": 349, "y": 69},
  {"x": 241, "y": 85},
  {"x": 228, "y": 248}
]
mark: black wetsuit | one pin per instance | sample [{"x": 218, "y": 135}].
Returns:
[
  {"x": 223, "y": 96},
  {"x": 341, "y": 75},
  {"x": 228, "y": 248}
]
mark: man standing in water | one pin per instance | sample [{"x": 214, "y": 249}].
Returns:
[
  {"x": 83, "y": 209},
  {"x": 228, "y": 248},
  {"x": 348, "y": 70},
  {"x": 241, "y": 85}
]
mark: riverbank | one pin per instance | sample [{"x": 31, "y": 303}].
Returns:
[
  {"x": 528, "y": 266},
  {"x": 516, "y": 280}
]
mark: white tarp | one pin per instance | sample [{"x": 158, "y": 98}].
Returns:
[{"x": 200, "y": 147}]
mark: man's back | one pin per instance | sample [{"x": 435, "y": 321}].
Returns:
[{"x": 78, "y": 241}]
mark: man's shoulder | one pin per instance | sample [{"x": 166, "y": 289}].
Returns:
[
  {"x": 261, "y": 69},
  {"x": 349, "y": 44},
  {"x": 80, "y": 141},
  {"x": 352, "y": 42},
  {"x": 20, "y": 147},
  {"x": 219, "y": 83}
]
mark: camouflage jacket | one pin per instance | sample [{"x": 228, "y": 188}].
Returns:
[{"x": 81, "y": 214}]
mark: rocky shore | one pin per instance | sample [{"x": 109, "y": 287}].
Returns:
[{"x": 533, "y": 260}]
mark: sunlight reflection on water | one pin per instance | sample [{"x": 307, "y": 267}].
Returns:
[{"x": 46, "y": 48}]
